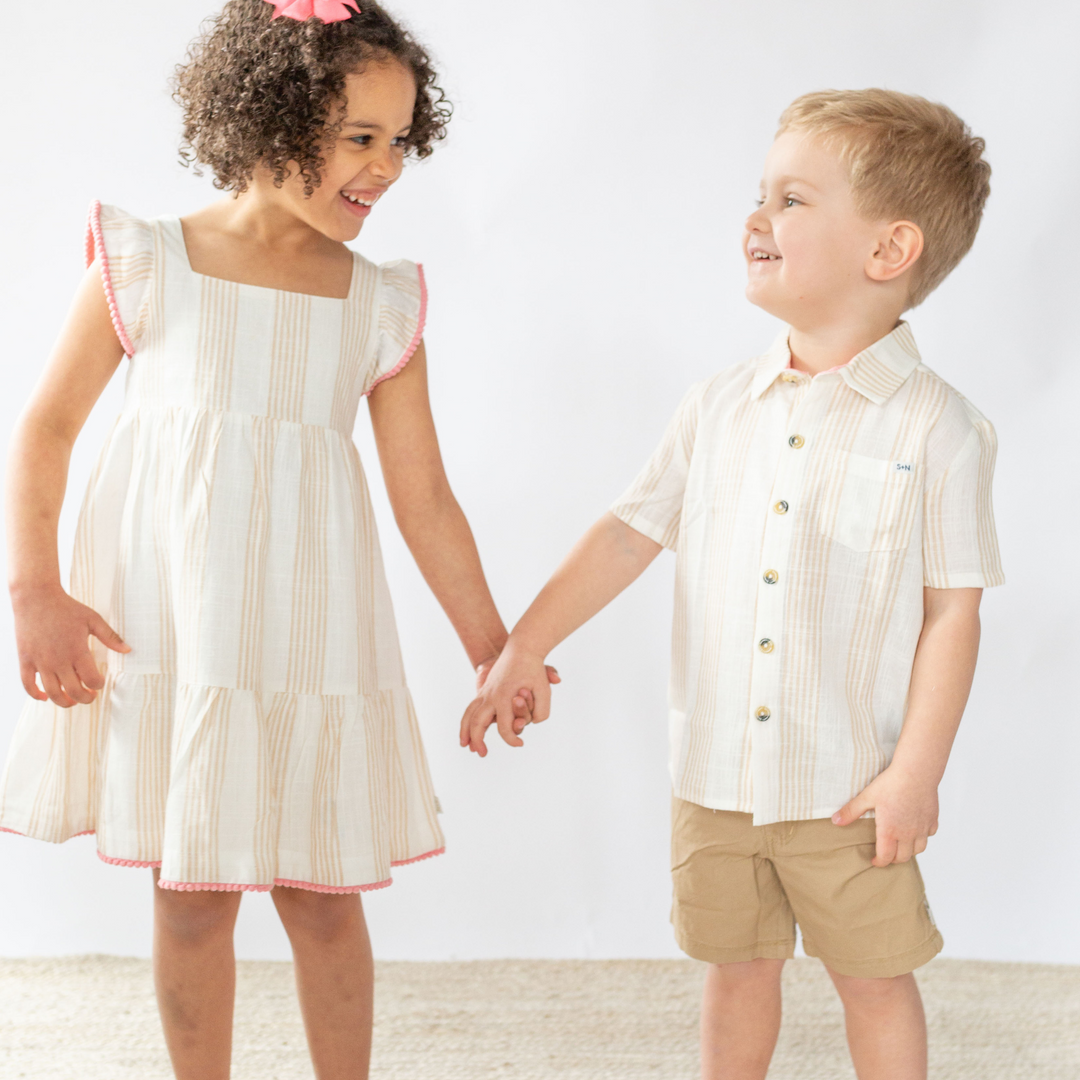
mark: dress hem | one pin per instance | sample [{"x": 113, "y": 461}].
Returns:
[{"x": 212, "y": 886}]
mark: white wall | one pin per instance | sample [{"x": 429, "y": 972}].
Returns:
[{"x": 580, "y": 233}]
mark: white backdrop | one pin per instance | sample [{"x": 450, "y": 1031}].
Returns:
[{"x": 580, "y": 232}]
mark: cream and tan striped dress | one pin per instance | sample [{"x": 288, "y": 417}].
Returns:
[{"x": 260, "y": 731}]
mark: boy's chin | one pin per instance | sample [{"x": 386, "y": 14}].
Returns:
[{"x": 769, "y": 302}]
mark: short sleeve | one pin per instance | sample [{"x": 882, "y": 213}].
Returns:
[
  {"x": 402, "y": 314},
  {"x": 653, "y": 503},
  {"x": 960, "y": 545},
  {"x": 124, "y": 248}
]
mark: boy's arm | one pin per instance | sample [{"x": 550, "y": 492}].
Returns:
[
  {"x": 605, "y": 561},
  {"x": 904, "y": 797}
]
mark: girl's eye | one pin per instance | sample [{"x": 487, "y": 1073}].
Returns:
[
  {"x": 361, "y": 140},
  {"x": 790, "y": 200},
  {"x": 759, "y": 203},
  {"x": 401, "y": 140}
]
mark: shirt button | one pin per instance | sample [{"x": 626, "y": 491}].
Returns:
[
  {"x": 790, "y": 376},
  {"x": 766, "y": 645},
  {"x": 763, "y": 714},
  {"x": 796, "y": 442},
  {"x": 770, "y": 577},
  {"x": 781, "y": 507}
]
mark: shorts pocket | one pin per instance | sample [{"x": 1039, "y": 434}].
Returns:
[{"x": 871, "y": 504}]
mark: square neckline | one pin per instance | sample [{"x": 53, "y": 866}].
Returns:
[{"x": 173, "y": 220}]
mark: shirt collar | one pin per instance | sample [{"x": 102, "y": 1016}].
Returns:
[{"x": 876, "y": 373}]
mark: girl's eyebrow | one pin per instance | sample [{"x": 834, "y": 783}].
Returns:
[{"x": 371, "y": 126}]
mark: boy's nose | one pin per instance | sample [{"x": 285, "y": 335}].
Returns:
[{"x": 757, "y": 222}]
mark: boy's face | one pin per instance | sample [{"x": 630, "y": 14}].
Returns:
[{"x": 807, "y": 247}]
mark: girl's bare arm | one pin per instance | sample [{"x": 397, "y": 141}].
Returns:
[
  {"x": 428, "y": 515},
  {"x": 51, "y": 629},
  {"x": 606, "y": 560}
]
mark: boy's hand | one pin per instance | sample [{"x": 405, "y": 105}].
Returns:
[
  {"x": 53, "y": 632},
  {"x": 905, "y": 810},
  {"x": 514, "y": 691}
]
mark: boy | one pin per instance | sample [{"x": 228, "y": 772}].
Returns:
[{"x": 830, "y": 506}]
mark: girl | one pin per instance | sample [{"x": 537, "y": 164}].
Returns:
[{"x": 252, "y": 729}]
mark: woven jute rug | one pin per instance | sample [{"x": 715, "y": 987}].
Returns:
[{"x": 93, "y": 1018}]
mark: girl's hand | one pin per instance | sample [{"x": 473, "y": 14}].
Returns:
[
  {"x": 52, "y": 632},
  {"x": 499, "y": 703},
  {"x": 524, "y": 701}
]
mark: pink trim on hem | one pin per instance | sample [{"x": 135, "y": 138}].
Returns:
[
  {"x": 309, "y": 886},
  {"x": 413, "y": 345},
  {"x": 420, "y": 858},
  {"x": 129, "y": 862},
  {"x": 95, "y": 246}
]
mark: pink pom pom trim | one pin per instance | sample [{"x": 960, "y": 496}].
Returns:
[
  {"x": 309, "y": 886},
  {"x": 95, "y": 248},
  {"x": 413, "y": 345},
  {"x": 327, "y": 10}
]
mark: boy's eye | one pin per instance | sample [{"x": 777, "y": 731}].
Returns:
[
  {"x": 790, "y": 200},
  {"x": 361, "y": 140},
  {"x": 759, "y": 202},
  {"x": 401, "y": 140}
]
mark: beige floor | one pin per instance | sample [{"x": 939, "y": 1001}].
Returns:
[{"x": 93, "y": 1019}]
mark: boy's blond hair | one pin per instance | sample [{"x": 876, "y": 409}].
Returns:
[{"x": 908, "y": 159}]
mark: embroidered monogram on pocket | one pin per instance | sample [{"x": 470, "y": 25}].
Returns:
[{"x": 876, "y": 506}]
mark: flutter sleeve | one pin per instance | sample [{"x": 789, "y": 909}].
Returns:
[
  {"x": 124, "y": 249},
  {"x": 402, "y": 313}
]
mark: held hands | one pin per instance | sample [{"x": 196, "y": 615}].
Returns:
[
  {"x": 52, "y": 632},
  {"x": 513, "y": 690},
  {"x": 905, "y": 810}
]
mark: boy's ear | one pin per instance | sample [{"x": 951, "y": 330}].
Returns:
[{"x": 899, "y": 247}]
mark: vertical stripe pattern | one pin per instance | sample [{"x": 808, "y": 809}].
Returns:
[
  {"x": 808, "y": 515},
  {"x": 260, "y": 731}
]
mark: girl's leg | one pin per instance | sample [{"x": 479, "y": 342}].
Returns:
[
  {"x": 886, "y": 1026},
  {"x": 335, "y": 978},
  {"x": 195, "y": 976},
  {"x": 740, "y": 1019}
]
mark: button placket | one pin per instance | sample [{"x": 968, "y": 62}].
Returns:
[{"x": 781, "y": 519}]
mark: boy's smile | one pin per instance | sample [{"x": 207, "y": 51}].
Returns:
[{"x": 806, "y": 245}]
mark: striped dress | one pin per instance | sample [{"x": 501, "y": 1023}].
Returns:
[{"x": 260, "y": 731}]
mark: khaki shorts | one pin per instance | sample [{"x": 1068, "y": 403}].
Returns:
[{"x": 740, "y": 889}]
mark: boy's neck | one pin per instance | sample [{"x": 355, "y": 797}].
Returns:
[{"x": 820, "y": 348}]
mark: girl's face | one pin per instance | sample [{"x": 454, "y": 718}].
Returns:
[{"x": 367, "y": 155}]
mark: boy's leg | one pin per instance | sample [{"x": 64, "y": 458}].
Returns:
[
  {"x": 730, "y": 911},
  {"x": 740, "y": 1019},
  {"x": 871, "y": 927},
  {"x": 195, "y": 978},
  {"x": 335, "y": 978},
  {"x": 886, "y": 1026}
]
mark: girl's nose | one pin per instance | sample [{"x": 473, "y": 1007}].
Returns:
[{"x": 385, "y": 165}]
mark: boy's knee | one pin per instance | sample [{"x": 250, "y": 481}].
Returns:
[
  {"x": 870, "y": 992},
  {"x": 749, "y": 972}
]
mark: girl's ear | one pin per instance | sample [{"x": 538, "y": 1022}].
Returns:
[{"x": 899, "y": 247}]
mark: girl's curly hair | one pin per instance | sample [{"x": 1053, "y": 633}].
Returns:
[{"x": 258, "y": 91}]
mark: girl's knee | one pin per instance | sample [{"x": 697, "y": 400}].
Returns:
[
  {"x": 321, "y": 916},
  {"x": 195, "y": 916}
]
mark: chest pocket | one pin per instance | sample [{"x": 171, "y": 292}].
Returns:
[{"x": 871, "y": 504}]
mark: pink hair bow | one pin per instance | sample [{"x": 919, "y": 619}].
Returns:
[{"x": 327, "y": 10}]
